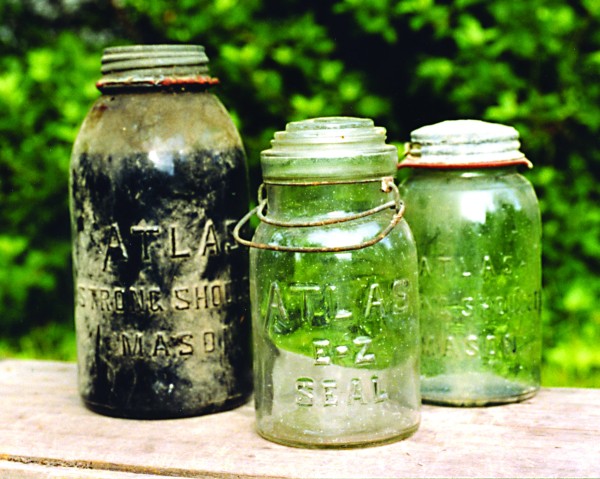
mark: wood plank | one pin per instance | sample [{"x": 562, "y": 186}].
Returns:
[
  {"x": 16, "y": 470},
  {"x": 45, "y": 432}
]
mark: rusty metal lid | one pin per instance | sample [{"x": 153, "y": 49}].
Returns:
[
  {"x": 154, "y": 65},
  {"x": 329, "y": 148},
  {"x": 464, "y": 144}
]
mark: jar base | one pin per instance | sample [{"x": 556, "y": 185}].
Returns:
[
  {"x": 473, "y": 390},
  {"x": 319, "y": 442},
  {"x": 105, "y": 410}
]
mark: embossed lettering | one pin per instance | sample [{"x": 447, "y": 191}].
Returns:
[
  {"x": 453, "y": 347},
  {"x": 100, "y": 299},
  {"x": 329, "y": 388},
  {"x": 160, "y": 347},
  {"x": 509, "y": 343},
  {"x": 507, "y": 264},
  {"x": 342, "y": 351},
  {"x": 210, "y": 342},
  {"x": 181, "y": 299},
  {"x": 137, "y": 299},
  {"x": 472, "y": 345},
  {"x": 424, "y": 268},
  {"x": 400, "y": 296},
  {"x": 305, "y": 396},
  {"x": 332, "y": 309},
  {"x": 362, "y": 356},
  {"x": 137, "y": 345},
  {"x": 209, "y": 243},
  {"x": 321, "y": 355},
  {"x": 201, "y": 296},
  {"x": 289, "y": 306},
  {"x": 230, "y": 245},
  {"x": 515, "y": 302},
  {"x": 329, "y": 392},
  {"x": 445, "y": 266},
  {"x": 323, "y": 351},
  {"x": 488, "y": 268},
  {"x": 444, "y": 263},
  {"x": 467, "y": 309},
  {"x": 379, "y": 392},
  {"x": 154, "y": 297},
  {"x": 308, "y": 293},
  {"x": 356, "y": 392},
  {"x": 374, "y": 300},
  {"x": 174, "y": 250},
  {"x": 277, "y": 319},
  {"x": 119, "y": 295},
  {"x": 216, "y": 295},
  {"x": 469, "y": 346},
  {"x": 148, "y": 237},
  {"x": 147, "y": 234},
  {"x": 115, "y": 251},
  {"x": 185, "y": 339}
]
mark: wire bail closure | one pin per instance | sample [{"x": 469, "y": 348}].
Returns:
[{"x": 387, "y": 186}]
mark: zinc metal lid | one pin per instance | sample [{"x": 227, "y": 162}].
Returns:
[
  {"x": 464, "y": 144},
  {"x": 154, "y": 65}
]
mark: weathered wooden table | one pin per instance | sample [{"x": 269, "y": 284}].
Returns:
[{"x": 45, "y": 432}]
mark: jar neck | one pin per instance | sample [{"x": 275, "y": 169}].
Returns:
[
  {"x": 466, "y": 172},
  {"x": 155, "y": 67},
  {"x": 294, "y": 203}
]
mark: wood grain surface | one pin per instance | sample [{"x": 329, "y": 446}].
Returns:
[{"x": 45, "y": 432}]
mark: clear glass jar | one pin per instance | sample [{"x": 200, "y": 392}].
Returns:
[
  {"x": 477, "y": 226},
  {"x": 158, "y": 180},
  {"x": 333, "y": 290}
]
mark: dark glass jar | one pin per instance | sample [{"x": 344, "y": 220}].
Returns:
[
  {"x": 333, "y": 281},
  {"x": 477, "y": 226},
  {"x": 158, "y": 180}
]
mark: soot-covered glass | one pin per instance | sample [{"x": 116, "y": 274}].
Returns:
[{"x": 158, "y": 180}]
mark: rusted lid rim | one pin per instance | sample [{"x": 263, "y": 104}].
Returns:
[
  {"x": 159, "y": 82},
  {"x": 416, "y": 162}
]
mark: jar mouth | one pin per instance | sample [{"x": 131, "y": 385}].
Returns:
[
  {"x": 154, "y": 65},
  {"x": 463, "y": 144},
  {"x": 327, "y": 148},
  {"x": 337, "y": 133}
]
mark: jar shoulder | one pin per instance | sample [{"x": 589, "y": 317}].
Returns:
[
  {"x": 342, "y": 237},
  {"x": 159, "y": 121},
  {"x": 462, "y": 181},
  {"x": 444, "y": 191}
]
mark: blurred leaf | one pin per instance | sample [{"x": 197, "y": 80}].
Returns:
[{"x": 405, "y": 63}]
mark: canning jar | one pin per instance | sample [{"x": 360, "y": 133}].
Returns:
[
  {"x": 333, "y": 290},
  {"x": 158, "y": 180},
  {"x": 476, "y": 222}
]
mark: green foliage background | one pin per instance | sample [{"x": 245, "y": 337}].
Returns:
[{"x": 533, "y": 64}]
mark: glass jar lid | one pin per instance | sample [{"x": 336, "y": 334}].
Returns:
[
  {"x": 154, "y": 65},
  {"x": 329, "y": 148},
  {"x": 464, "y": 144}
]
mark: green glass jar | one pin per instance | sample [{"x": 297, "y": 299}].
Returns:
[
  {"x": 477, "y": 226},
  {"x": 333, "y": 281}
]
